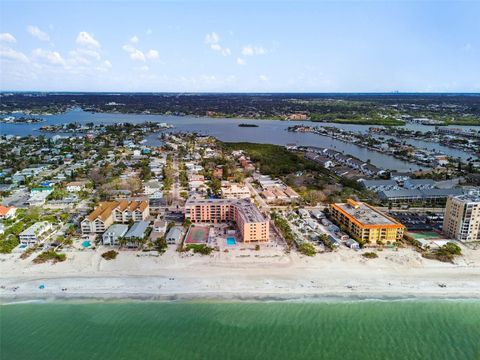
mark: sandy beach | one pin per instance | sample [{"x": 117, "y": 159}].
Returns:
[{"x": 240, "y": 275}]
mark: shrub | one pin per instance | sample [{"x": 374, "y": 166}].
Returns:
[
  {"x": 161, "y": 244},
  {"x": 110, "y": 255},
  {"x": 49, "y": 255},
  {"x": 257, "y": 247},
  {"x": 200, "y": 249},
  {"x": 307, "y": 249},
  {"x": 6, "y": 246},
  {"x": 370, "y": 255},
  {"x": 446, "y": 253},
  {"x": 29, "y": 251},
  {"x": 451, "y": 248}
]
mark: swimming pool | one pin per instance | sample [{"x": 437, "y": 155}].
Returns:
[
  {"x": 231, "y": 241},
  {"x": 86, "y": 244}
]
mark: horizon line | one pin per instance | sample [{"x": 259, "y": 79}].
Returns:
[{"x": 246, "y": 92}]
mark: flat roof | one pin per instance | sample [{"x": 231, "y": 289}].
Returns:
[
  {"x": 249, "y": 211},
  {"x": 469, "y": 198},
  {"x": 364, "y": 214}
]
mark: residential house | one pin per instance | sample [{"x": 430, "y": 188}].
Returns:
[
  {"x": 34, "y": 234},
  {"x": 152, "y": 187},
  {"x": 112, "y": 235},
  {"x": 174, "y": 235},
  {"x": 160, "y": 226},
  {"x": 137, "y": 231},
  {"x": 75, "y": 186},
  {"x": 7, "y": 212}
]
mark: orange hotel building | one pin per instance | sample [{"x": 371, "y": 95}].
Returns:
[
  {"x": 253, "y": 226},
  {"x": 366, "y": 223}
]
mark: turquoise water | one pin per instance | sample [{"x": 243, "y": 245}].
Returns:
[
  {"x": 403, "y": 330},
  {"x": 231, "y": 241},
  {"x": 86, "y": 244}
]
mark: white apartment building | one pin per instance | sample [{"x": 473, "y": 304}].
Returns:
[
  {"x": 462, "y": 217},
  {"x": 34, "y": 233},
  {"x": 234, "y": 191}
]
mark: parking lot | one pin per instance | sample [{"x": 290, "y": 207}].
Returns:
[{"x": 416, "y": 222}]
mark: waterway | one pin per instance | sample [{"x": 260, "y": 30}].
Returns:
[{"x": 268, "y": 131}]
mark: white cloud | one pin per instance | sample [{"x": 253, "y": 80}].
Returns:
[
  {"x": 213, "y": 40},
  {"x": 87, "y": 53},
  {"x": 263, "y": 78},
  {"x": 7, "y": 37},
  {"x": 50, "y": 57},
  {"x": 260, "y": 50},
  {"x": 137, "y": 55},
  {"x": 241, "y": 61},
  {"x": 82, "y": 56},
  {"x": 249, "y": 50},
  {"x": 107, "y": 64},
  {"x": 152, "y": 54},
  {"x": 134, "y": 39},
  {"x": 149, "y": 32},
  {"x": 36, "y": 32},
  {"x": 11, "y": 54},
  {"x": 128, "y": 48},
  {"x": 85, "y": 39}
]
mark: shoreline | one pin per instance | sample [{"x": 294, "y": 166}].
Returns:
[
  {"x": 240, "y": 276},
  {"x": 230, "y": 299}
]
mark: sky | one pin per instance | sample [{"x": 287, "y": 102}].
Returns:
[{"x": 250, "y": 46}]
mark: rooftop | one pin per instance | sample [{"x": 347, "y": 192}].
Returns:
[
  {"x": 174, "y": 233},
  {"x": 34, "y": 229},
  {"x": 117, "y": 229},
  {"x": 248, "y": 210},
  {"x": 137, "y": 230},
  {"x": 364, "y": 214},
  {"x": 473, "y": 197}
]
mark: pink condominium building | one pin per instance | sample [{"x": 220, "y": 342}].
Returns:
[{"x": 252, "y": 225}]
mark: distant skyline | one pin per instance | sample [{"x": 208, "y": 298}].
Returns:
[{"x": 306, "y": 46}]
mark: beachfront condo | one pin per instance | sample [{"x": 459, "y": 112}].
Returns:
[
  {"x": 109, "y": 212},
  {"x": 253, "y": 226},
  {"x": 365, "y": 223},
  {"x": 462, "y": 217}
]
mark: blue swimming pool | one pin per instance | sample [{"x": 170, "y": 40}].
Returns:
[
  {"x": 86, "y": 244},
  {"x": 231, "y": 241}
]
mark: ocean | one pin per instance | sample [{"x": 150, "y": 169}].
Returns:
[{"x": 343, "y": 330}]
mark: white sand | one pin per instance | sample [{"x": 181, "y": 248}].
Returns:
[{"x": 248, "y": 274}]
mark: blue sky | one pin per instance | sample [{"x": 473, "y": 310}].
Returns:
[{"x": 302, "y": 46}]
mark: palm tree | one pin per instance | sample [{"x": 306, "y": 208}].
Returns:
[
  {"x": 141, "y": 242},
  {"x": 122, "y": 241}
]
